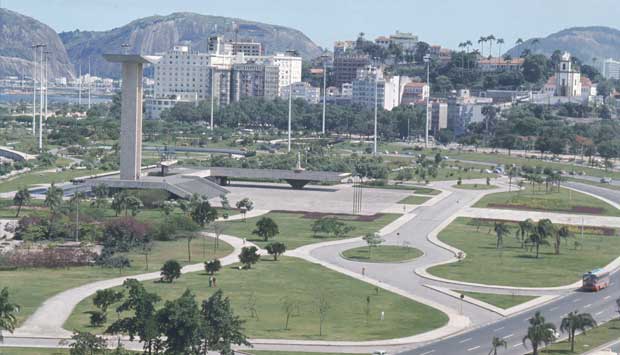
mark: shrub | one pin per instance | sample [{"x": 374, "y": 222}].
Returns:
[
  {"x": 50, "y": 257},
  {"x": 123, "y": 234},
  {"x": 170, "y": 271},
  {"x": 151, "y": 198},
  {"x": 212, "y": 266}
]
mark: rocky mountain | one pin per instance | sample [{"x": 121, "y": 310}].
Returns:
[
  {"x": 585, "y": 43},
  {"x": 17, "y": 35},
  {"x": 157, "y": 34}
]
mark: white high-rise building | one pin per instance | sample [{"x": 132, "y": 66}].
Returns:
[
  {"x": 610, "y": 69},
  {"x": 303, "y": 91},
  {"x": 290, "y": 68},
  {"x": 371, "y": 85}
]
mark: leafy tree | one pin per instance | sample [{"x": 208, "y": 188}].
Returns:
[
  {"x": 322, "y": 307},
  {"x": 100, "y": 192},
  {"x": 133, "y": 204},
  {"x": 249, "y": 256},
  {"x": 7, "y": 312},
  {"x": 372, "y": 240},
  {"x": 203, "y": 213},
  {"x": 143, "y": 322},
  {"x": 289, "y": 305},
  {"x": 170, "y": 271},
  {"x": 119, "y": 202},
  {"x": 497, "y": 343},
  {"x": 525, "y": 227},
  {"x": 213, "y": 266},
  {"x": 331, "y": 226},
  {"x": 53, "y": 201},
  {"x": 21, "y": 198},
  {"x": 105, "y": 298},
  {"x": 275, "y": 249},
  {"x": 245, "y": 205},
  {"x": 180, "y": 323},
  {"x": 221, "y": 328},
  {"x": 97, "y": 318},
  {"x": 539, "y": 332},
  {"x": 562, "y": 233},
  {"x": 266, "y": 228},
  {"x": 534, "y": 68},
  {"x": 85, "y": 343},
  {"x": 575, "y": 321}
]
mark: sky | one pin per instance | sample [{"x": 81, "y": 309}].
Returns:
[{"x": 443, "y": 22}]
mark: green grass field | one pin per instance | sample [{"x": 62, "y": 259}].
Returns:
[
  {"x": 475, "y": 187},
  {"x": 420, "y": 190},
  {"x": 295, "y": 279},
  {"x": 382, "y": 254},
  {"x": 513, "y": 266},
  {"x": 37, "y": 177},
  {"x": 414, "y": 200},
  {"x": 565, "y": 201},
  {"x": 32, "y": 351},
  {"x": 259, "y": 352},
  {"x": 501, "y": 301},
  {"x": 586, "y": 342},
  {"x": 295, "y": 230},
  {"x": 30, "y": 287}
]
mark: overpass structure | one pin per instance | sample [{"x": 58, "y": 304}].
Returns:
[
  {"x": 297, "y": 178},
  {"x": 15, "y": 155}
]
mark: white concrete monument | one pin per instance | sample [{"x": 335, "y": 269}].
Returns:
[{"x": 131, "y": 112}]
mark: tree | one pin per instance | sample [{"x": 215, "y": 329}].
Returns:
[
  {"x": 21, "y": 198},
  {"x": 180, "y": 323},
  {"x": 331, "y": 225},
  {"x": 7, "y": 312},
  {"x": 213, "y": 266},
  {"x": 575, "y": 321},
  {"x": 372, "y": 240},
  {"x": 525, "y": 227},
  {"x": 170, "y": 271},
  {"x": 133, "y": 204},
  {"x": 534, "y": 67},
  {"x": 497, "y": 343},
  {"x": 53, "y": 201},
  {"x": 85, "y": 343},
  {"x": 501, "y": 229},
  {"x": 288, "y": 305},
  {"x": 539, "y": 332},
  {"x": 249, "y": 256},
  {"x": 221, "y": 328},
  {"x": 203, "y": 213},
  {"x": 100, "y": 192},
  {"x": 322, "y": 307},
  {"x": 538, "y": 239},
  {"x": 245, "y": 205},
  {"x": 276, "y": 249},
  {"x": 143, "y": 322},
  {"x": 104, "y": 299},
  {"x": 266, "y": 228},
  {"x": 119, "y": 202},
  {"x": 562, "y": 233}
]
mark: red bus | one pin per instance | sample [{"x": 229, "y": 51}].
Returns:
[{"x": 595, "y": 280}]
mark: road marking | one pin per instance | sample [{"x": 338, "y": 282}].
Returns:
[
  {"x": 464, "y": 340},
  {"x": 428, "y": 352},
  {"x": 514, "y": 346},
  {"x": 507, "y": 336},
  {"x": 474, "y": 348},
  {"x": 588, "y": 305},
  {"x": 553, "y": 309},
  {"x": 498, "y": 329},
  {"x": 607, "y": 297},
  {"x": 577, "y": 300},
  {"x": 599, "y": 313}
]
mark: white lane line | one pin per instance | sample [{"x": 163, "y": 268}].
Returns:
[
  {"x": 607, "y": 297},
  {"x": 598, "y": 313},
  {"x": 498, "y": 329},
  {"x": 474, "y": 348},
  {"x": 428, "y": 352},
  {"x": 507, "y": 336},
  {"x": 577, "y": 300},
  {"x": 553, "y": 309},
  {"x": 588, "y": 305},
  {"x": 514, "y": 346},
  {"x": 464, "y": 340}
]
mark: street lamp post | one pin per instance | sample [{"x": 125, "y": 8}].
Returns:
[
  {"x": 34, "y": 92},
  {"x": 41, "y": 98},
  {"x": 290, "y": 102},
  {"x": 427, "y": 59},
  {"x": 324, "y": 92},
  {"x": 376, "y": 108},
  {"x": 212, "y": 94}
]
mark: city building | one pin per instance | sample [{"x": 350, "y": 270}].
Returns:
[
  {"x": 443, "y": 55},
  {"x": 217, "y": 45},
  {"x": 346, "y": 66},
  {"x": 303, "y": 91},
  {"x": 342, "y": 47},
  {"x": 500, "y": 64},
  {"x": 407, "y": 41},
  {"x": 567, "y": 78},
  {"x": 439, "y": 117},
  {"x": 464, "y": 109},
  {"x": 254, "y": 80},
  {"x": 290, "y": 65},
  {"x": 383, "y": 41},
  {"x": 415, "y": 92},
  {"x": 371, "y": 87},
  {"x": 610, "y": 69}
]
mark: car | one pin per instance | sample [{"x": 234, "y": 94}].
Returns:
[
  {"x": 379, "y": 352},
  {"x": 606, "y": 180}
]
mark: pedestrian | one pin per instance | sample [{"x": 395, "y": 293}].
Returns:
[
  {"x": 214, "y": 283},
  {"x": 243, "y": 241},
  {"x": 382, "y": 315},
  {"x": 210, "y": 281},
  {"x": 363, "y": 271}
]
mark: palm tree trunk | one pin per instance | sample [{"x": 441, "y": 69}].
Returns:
[{"x": 19, "y": 208}]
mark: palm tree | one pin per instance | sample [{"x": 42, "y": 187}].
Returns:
[
  {"x": 497, "y": 343},
  {"x": 100, "y": 192},
  {"x": 512, "y": 172},
  {"x": 500, "y": 231},
  {"x": 461, "y": 46},
  {"x": 537, "y": 240},
  {"x": 500, "y": 42},
  {"x": 481, "y": 41},
  {"x": 490, "y": 39},
  {"x": 119, "y": 202},
  {"x": 519, "y": 41},
  {"x": 575, "y": 321},
  {"x": 562, "y": 233},
  {"x": 77, "y": 199},
  {"x": 53, "y": 201},
  {"x": 22, "y": 197},
  {"x": 539, "y": 332},
  {"x": 7, "y": 313},
  {"x": 535, "y": 42},
  {"x": 525, "y": 227}
]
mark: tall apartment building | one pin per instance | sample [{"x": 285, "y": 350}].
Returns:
[
  {"x": 289, "y": 65},
  {"x": 610, "y": 69},
  {"x": 303, "y": 91},
  {"x": 182, "y": 72},
  {"x": 217, "y": 45},
  {"x": 439, "y": 117},
  {"x": 254, "y": 80},
  {"x": 464, "y": 109},
  {"x": 346, "y": 66},
  {"x": 406, "y": 40},
  {"x": 371, "y": 86}
]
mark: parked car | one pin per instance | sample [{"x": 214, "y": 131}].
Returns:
[{"x": 606, "y": 180}]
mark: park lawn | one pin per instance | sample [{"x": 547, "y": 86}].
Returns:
[
  {"x": 513, "y": 266},
  {"x": 474, "y": 187},
  {"x": 420, "y": 190},
  {"x": 37, "y": 177},
  {"x": 32, "y": 351},
  {"x": 501, "y": 301},
  {"x": 414, "y": 200},
  {"x": 564, "y": 201},
  {"x": 593, "y": 338},
  {"x": 382, "y": 254},
  {"x": 301, "y": 281},
  {"x": 296, "y": 231},
  {"x": 265, "y": 352},
  {"x": 30, "y": 287}
]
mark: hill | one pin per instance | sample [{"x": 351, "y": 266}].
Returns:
[
  {"x": 17, "y": 34},
  {"x": 156, "y": 34},
  {"x": 585, "y": 43}
]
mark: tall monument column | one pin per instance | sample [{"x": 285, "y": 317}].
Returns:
[{"x": 131, "y": 112}]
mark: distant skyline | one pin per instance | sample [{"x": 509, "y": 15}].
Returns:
[{"x": 444, "y": 22}]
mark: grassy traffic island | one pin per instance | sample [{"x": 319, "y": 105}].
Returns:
[
  {"x": 534, "y": 198},
  {"x": 353, "y": 314},
  {"x": 517, "y": 265},
  {"x": 497, "y": 300},
  {"x": 474, "y": 187},
  {"x": 414, "y": 200},
  {"x": 296, "y": 228},
  {"x": 592, "y": 339},
  {"x": 382, "y": 254}
]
